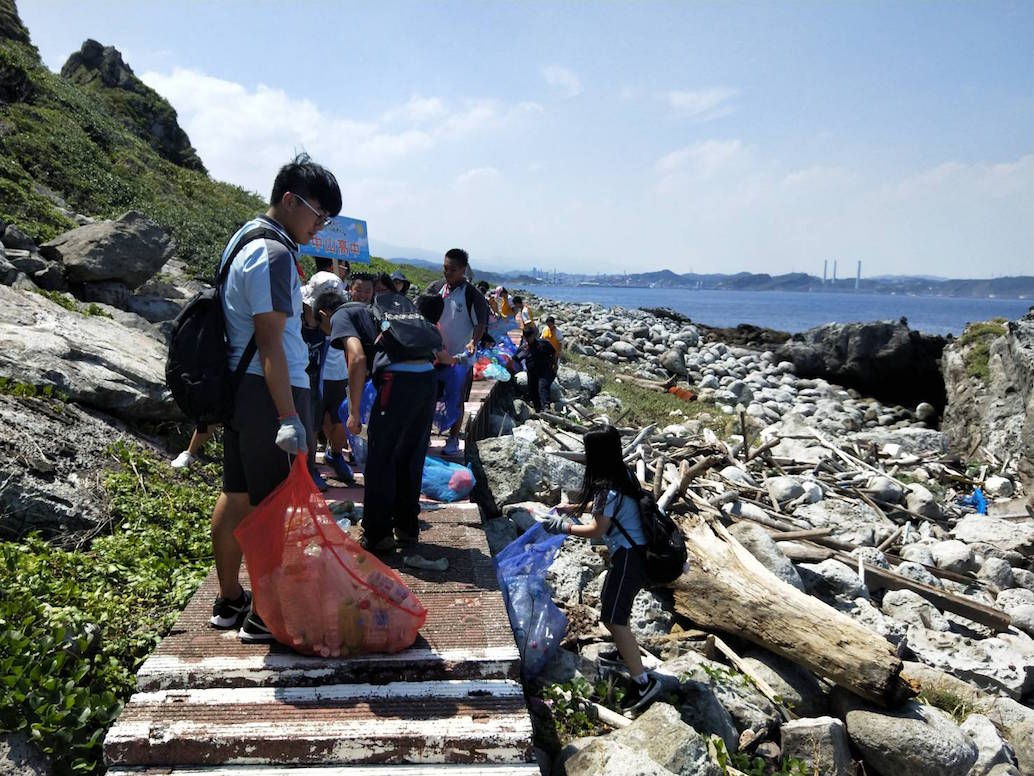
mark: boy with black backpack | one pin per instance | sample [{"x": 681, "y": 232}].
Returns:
[
  {"x": 261, "y": 297},
  {"x": 391, "y": 340}
]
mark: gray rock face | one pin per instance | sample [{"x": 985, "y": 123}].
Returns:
[
  {"x": 8, "y": 272},
  {"x": 763, "y": 547},
  {"x": 580, "y": 382},
  {"x": 991, "y": 749},
  {"x": 624, "y": 349},
  {"x": 674, "y": 362},
  {"x": 51, "y": 456},
  {"x": 662, "y": 736},
  {"x": 918, "y": 740},
  {"x": 954, "y": 555},
  {"x": 129, "y": 250},
  {"x": 15, "y": 238},
  {"x": 912, "y": 609},
  {"x": 573, "y": 567},
  {"x": 919, "y": 499},
  {"x": 1006, "y": 535},
  {"x": 998, "y": 572},
  {"x": 795, "y": 684},
  {"x": 605, "y": 757},
  {"x": 821, "y": 743},
  {"x": 93, "y": 359},
  {"x": 20, "y": 757},
  {"x": 831, "y": 577},
  {"x": 994, "y": 663},
  {"x": 517, "y": 470},
  {"x": 853, "y": 522},
  {"x": 882, "y": 359},
  {"x": 998, "y": 415}
]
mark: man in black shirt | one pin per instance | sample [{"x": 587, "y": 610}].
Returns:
[{"x": 400, "y": 424}]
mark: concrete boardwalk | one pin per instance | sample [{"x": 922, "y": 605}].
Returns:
[{"x": 206, "y": 703}]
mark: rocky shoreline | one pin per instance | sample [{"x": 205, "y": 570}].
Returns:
[{"x": 877, "y": 490}]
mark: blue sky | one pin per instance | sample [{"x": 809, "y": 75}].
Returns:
[{"x": 705, "y": 137}]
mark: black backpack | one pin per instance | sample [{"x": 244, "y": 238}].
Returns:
[
  {"x": 402, "y": 332},
  {"x": 196, "y": 371},
  {"x": 664, "y": 555}
]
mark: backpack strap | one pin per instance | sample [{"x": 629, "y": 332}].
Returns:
[
  {"x": 615, "y": 522},
  {"x": 259, "y": 232}
]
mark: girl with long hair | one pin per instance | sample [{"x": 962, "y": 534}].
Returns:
[{"x": 610, "y": 495}]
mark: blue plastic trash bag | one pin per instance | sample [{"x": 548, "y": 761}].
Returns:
[
  {"x": 976, "y": 500},
  {"x": 365, "y": 404},
  {"x": 446, "y": 481},
  {"x": 450, "y": 404},
  {"x": 359, "y": 447},
  {"x": 538, "y": 625},
  {"x": 496, "y": 372}
]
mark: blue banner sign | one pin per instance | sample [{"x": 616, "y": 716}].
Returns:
[{"x": 344, "y": 239}]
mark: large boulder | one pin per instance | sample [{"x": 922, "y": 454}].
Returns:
[
  {"x": 763, "y": 547},
  {"x": 91, "y": 358},
  {"x": 821, "y": 743},
  {"x": 662, "y": 736},
  {"x": 1003, "y": 535},
  {"x": 517, "y": 470},
  {"x": 130, "y": 250},
  {"x": 989, "y": 382},
  {"x": 883, "y": 359},
  {"x": 918, "y": 740}
]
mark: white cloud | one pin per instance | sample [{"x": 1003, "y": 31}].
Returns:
[
  {"x": 703, "y": 104},
  {"x": 703, "y": 158},
  {"x": 477, "y": 176},
  {"x": 563, "y": 80},
  {"x": 417, "y": 110}
]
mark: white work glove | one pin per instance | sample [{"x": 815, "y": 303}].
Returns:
[{"x": 290, "y": 437}]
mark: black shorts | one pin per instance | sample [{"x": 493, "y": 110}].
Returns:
[
  {"x": 334, "y": 392},
  {"x": 252, "y": 463},
  {"x": 625, "y": 578}
]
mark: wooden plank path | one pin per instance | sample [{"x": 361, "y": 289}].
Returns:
[{"x": 208, "y": 704}]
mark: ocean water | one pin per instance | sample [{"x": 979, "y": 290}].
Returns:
[{"x": 796, "y": 311}]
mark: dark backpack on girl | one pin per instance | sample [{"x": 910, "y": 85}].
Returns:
[{"x": 664, "y": 555}]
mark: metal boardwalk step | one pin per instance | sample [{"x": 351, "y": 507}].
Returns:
[{"x": 400, "y": 722}]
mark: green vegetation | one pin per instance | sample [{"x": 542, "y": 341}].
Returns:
[
  {"x": 756, "y": 766},
  {"x": 59, "y": 136},
  {"x": 64, "y": 300},
  {"x": 954, "y": 705},
  {"x": 976, "y": 342},
  {"x": 133, "y": 581},
  {"x": 645, "y": 406},
  {"x": 29, "y": 391}
]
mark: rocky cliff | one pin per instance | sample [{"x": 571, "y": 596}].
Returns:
[
  {"x": 989, "y": 381},
  {"x": 142, "y": 110}
]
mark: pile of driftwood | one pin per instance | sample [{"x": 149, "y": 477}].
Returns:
[{"x": 725, "y": 588}]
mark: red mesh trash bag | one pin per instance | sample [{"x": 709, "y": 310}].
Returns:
[{"x": 316, "y": 589}]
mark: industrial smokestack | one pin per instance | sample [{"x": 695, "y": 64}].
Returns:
[
  {"x": 858, "y": 277},
  {"x": 834, "y": 272},
  {"x": 825, "y": 270}
]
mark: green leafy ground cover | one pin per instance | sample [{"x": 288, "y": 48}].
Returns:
[
  {"x": 132, "y": 581},
  {"x": 977, "y": 340}
]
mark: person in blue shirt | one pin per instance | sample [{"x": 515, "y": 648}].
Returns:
[
  {"x": 262, "y": 299},
  {"x": 610, "y": 493}
]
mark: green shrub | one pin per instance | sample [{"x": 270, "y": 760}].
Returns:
[
  {"x": 976, "y": 343},
  {"x": 63, "y": 300},
  {"x": 133, "y": 581}
]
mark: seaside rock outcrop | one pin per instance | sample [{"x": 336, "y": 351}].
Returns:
[
  {"x": 128, "y": 250},
  {"x": 989, "y": 381},
  {"x": 52, "y": 456},
  {"x": 517, "y": 470},
  {"x": 883, "y": 359},
  {"x": 820, "y": 743},
  {"x": 94, "y": 360}
]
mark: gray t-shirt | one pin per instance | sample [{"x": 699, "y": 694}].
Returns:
[
  {"x": 264, "y": 278},
  {"x": 627, "y": 513}
]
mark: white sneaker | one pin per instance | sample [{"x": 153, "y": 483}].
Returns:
[{"x": 183, "y": 460}]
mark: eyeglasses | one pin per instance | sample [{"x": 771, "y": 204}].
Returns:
[{"x": 325, "y": 220}]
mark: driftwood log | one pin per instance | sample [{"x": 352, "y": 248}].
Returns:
[{"x": 725, "y": 587}]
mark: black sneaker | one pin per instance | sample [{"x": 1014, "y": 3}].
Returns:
[
  {"x": 405, "y": 538},
  {"x": 254, "y": 631},
  {"x": 640, "y": 696},
  {"x": 384, "y": 546},
  {"x": 228, "y": 614}
]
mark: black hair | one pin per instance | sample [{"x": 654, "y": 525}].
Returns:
[
  {"x": 483, "y": 286},
  {"x": 431, "y": 306},
  {"x": 304, "y": 177},
  {"x": 502, "y": 290},
  {"x": 605, "y": 468},
  {"x": 550, "y": 319},
  {"x": 458, "y": 255},
  {"x": 327, "y": 302},
  {"x": 322, "y": 262},
  {"x": 385, "y": 280},
  {"x": 360, "y": 277},
  {"x": 517, "y": 299}
]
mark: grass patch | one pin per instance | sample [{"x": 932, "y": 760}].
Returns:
[
  {"x": 976, "y": 343},
  {"x": 955, "y": 706},
  {"x": 62, "y": 300},
  {"x": 133, "y": 582},
  {"x": 645, "y": 406},
  {"x": 12, "y": 387}
]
